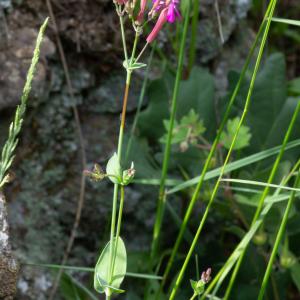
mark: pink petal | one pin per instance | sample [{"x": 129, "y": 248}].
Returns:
[{"x": 158, "y": 26}]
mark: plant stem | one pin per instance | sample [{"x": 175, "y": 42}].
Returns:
[
  {"x": 160, "y": 206},
  {"x": 116, "y": 186},
  {"x": 118, "y": 226},
  {"x": 122, "y": 33},
  {"x": 140, "y": 103},
  {"x": 141, "y": 53},
  {"x": 193, "y": 297},
  {"x": 113, "y": 247},
  {"x": 136, "y": 38},
  {"x": 194, "y": 34},
  {"x": 208, "y": 160},
  {"x": 214, "y": 193},
  {"x": 282, "y": 225}
]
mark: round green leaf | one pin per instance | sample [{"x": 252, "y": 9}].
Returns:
[
  {"x": 113, "y": 169},
  {"x": 101, "y": 275}
]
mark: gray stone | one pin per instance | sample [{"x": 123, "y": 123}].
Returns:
[{"x": 15, "y": 60}]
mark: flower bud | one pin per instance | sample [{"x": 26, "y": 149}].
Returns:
[
  {"x": 140, "y": 16},
  {"x": 162, "y": 19},
  {"x": 128, "y": 175}
]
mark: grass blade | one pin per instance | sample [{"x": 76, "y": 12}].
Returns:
[
  {"x": 259, "y": 183},
  {"x": 238, "y": 252},
  {"x": 266, "y": 191},
  {"x": 235, "y": 165},
  {"x": 91, "y": 270},
  {"x": 286, "y": 21},
  {"x": 214, "y": 193},
  {"x": 278, "y": 240},
  {"x": 167, "y": 152},
  {"x": 194, "y": 33}
]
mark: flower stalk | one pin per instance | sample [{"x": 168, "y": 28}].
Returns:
[{"x": 105, "y": 281}]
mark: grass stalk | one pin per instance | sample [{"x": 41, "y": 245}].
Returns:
[
  {"x": 228, "y": 265},
  {"x": 281, "y": 227},
  {"x": 167, "y": 152},
  {"x": 215, "y": 190},
  {"x": 209, "y": 158},
  {"x": 194, "y": 33},
  {"x": 7, "y": 155}
]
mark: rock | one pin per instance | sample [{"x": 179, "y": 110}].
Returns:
[
  {"x": 108, "y": 97},
  {"x": 209, "y": 42},
  {"x": 5, "y": 4},
  {"x": 15, "y": 60}
]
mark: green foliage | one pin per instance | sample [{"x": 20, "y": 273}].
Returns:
[
  {"x": 243, "y": 138},
  {"x": 295, "y": 272},
  {"x": 187, "y": 132},
  {"x": 268, "y": 117},
  {"x": 294, "y": 87},
  {"x": 196, "y": 93},
  {"x": 102, "y": 282},
  {"x": 269, "y": 106},
  {"x": 133, "y": 66},
  {"x": 198, "y": 287}
]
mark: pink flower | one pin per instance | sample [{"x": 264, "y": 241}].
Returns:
[
  {"x": 173, "y": 12},
  {"x": 158, "y": 5},
  {"x": 141, "y": 13},
  {"x": 168, "y": 13},
  {"x": 162, "y": 19}
]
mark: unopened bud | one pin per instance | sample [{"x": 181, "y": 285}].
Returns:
[
  {"x": 128, "y": 175},
  {"x": 205, "y": 276}
]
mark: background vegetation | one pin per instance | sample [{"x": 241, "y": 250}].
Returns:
[{"x": 73, "y": 119}]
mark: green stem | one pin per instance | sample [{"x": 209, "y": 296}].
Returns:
[
  {"x": 194, "y": 34},
  {"x": 282, "y": 225},
  {"x": 160, "y": 206},
  {"x": 116, "y": 186},
  {"x": 208, "y": 160},
  {"x": 140, "y": 103},
  {"x": 119, "y": 152},
  {"x": 193, "y": 297},
  {"x": 120, "y": 212},
  {"x": 216, "y": 188},
  {"x": 122, "y": 33},
  {"x": 118, "y": 227},
  {"x": 136, "y": 38}
]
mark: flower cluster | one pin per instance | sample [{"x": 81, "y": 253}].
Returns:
[
  {"x": 165, "y": 10},
  {"x": 168, "y": 12}
]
